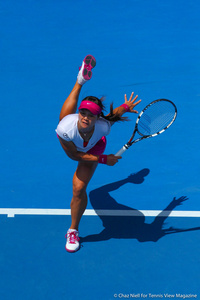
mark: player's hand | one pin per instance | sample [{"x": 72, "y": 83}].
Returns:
[
  {"x": 112, "y": 159},
  {"x": 131, "y": 102}
]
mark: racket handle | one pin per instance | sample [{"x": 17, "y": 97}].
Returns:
[{"x": 122, "y": 150}]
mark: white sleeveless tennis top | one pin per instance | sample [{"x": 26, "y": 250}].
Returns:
[{"x": 67, "y": 129}]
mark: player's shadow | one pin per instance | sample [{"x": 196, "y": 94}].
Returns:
[{"x": 133, "y": 226}]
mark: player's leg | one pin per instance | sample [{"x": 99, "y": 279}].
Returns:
[
  {"x": 85, "y": 74},
  {"x": 82, "y": 176},
  {"x": 81, "y": 179},
  {"x": 70, "y": 104}
]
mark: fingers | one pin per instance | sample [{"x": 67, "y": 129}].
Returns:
[
  {"x": 131, "y": 102},
  {"x": 137, "y": 102},
  {"x": 134, "y": 104},
  {"x": 132, "y": 96},
  {"x": 112, "y": 159},
  {"x": 135, "y": 98},
  {"x": 130, "y": 99}
]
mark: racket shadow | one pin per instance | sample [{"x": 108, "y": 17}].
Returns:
[{"x": 130, "y": 227}]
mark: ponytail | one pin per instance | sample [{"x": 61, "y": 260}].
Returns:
[{"x": 113, "y": 117}]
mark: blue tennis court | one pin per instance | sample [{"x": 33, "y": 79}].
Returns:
[{"x": 140, "y": 231}]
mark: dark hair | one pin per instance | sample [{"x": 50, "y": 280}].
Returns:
[{"x": 111, "y": 116}]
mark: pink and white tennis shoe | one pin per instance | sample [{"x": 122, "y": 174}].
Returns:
[
  {"x": 72, "y": 244},
  {"x": 85, "y": 72}
]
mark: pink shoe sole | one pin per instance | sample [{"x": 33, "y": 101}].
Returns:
[{"x": 90, "y": 63}]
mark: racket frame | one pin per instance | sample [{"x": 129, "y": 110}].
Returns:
[{"x": 131, "y": 142}]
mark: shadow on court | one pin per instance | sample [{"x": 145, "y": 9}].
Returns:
[{"x": 130, "y": 227}]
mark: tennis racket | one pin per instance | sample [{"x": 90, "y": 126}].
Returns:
[{"x": 153, "y": 120}]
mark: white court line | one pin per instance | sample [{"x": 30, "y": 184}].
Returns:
[{"x": 11, "y": 212}]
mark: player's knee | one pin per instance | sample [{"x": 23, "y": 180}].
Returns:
[{"x": 78, "y": 188}]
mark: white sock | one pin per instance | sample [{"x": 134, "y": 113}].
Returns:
[{"x": 71, "y": 230}]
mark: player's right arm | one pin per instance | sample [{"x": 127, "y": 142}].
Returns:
[{"x": 72, "y": 152}]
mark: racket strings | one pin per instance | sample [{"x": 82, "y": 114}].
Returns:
[{"x": 156, "y": 117}]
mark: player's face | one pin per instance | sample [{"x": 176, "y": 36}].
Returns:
[{"x": 86, "y": 119}]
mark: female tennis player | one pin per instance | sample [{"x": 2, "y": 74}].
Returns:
[{"x": 83, "y": 137}]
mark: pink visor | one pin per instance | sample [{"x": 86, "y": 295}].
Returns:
[{"x": 91, "y": 106}]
